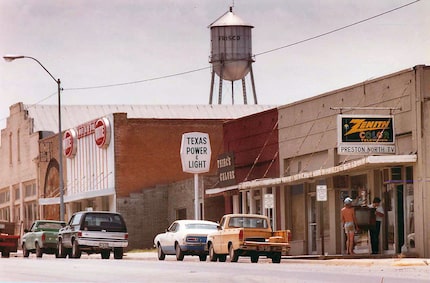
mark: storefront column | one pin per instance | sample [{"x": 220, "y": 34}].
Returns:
[
  {"x": 236, "y": 204},
  {"x": 244, "y": 194},
  {"x": 282, "y": 207}
]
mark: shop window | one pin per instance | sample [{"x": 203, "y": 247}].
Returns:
[
  {"x": 31, "y": 213},
  {"x": 17, "y": 193},
  {"x": 4, "y": 196},
  {"x": 5, "y": 213},
  {"x": 17, "y": 216},
  {"x": 359, "y": 192},
  {"x": 410, "y": 226},
  {"x": 30, "y": 190},
  {"x": 396, "y": 173}
]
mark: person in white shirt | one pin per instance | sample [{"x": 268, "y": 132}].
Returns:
[{"x": 374, "y": 231}]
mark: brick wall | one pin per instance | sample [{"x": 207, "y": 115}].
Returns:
[
  {"x": 145, "y": 214},
  {"x": 147, "y": 151},
  {"x": 153, "y": 209}
]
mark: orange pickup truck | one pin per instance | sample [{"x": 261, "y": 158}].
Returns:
[
  {"x": 247, "y": 235},
  {"x": 8, "y": 241}
]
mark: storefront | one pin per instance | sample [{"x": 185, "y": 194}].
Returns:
[{"x": 393, "y": 165}]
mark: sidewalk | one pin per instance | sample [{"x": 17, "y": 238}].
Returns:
[{"x": 383, "y": 260}]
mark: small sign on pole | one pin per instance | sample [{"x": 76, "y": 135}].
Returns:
[
  {"x": 196, "y": 158},
  {"x": 268, "y": 201}
]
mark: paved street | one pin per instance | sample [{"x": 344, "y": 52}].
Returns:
[{"x": 145, "y": 267}]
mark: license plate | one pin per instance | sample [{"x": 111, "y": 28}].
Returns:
[{"x": 104, "y": 245}]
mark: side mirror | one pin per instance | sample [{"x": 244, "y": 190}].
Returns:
[{"x": 26, "y": 230}]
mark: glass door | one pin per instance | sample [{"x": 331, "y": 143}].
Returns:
[{"x": 313, "y": 227}]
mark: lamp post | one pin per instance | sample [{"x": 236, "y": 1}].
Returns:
[{"x": 10, "y": 58}]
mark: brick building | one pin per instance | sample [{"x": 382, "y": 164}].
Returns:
[
  {"x": 29, "y": 179},
  {"x": 136, "y": 171},
  {"x": 251, "y": 143}
]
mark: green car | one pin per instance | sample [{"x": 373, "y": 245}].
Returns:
[{"x": 41, "y": 238}]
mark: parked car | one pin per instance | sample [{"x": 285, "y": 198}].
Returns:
[
  {"x": 93, "y": 232},
  {"x": 8, "y": 239},
  {"x": 247, "y": 235},
  {"x": 184, "y": 237},
  {"x": 41, "y": 238}
]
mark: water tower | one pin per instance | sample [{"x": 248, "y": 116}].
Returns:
[{"x": 231, "y": 53}]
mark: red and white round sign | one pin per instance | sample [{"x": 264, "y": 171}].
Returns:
[
  {"x": 102, "y": 133},
  {"x": 69, "y": 143}
]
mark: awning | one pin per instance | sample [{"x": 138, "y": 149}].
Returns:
[
  {"x": 221, "y": 190},
  {"x": 367, "y": 162},
  {"x": 76, "y": 197}
]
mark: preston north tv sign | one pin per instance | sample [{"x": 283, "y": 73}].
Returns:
[{"x": 366, "y": 135}]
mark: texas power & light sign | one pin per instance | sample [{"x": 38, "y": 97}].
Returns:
[
  {"x": 366, "y": 135},
  {"x": 195, "y": 152}
]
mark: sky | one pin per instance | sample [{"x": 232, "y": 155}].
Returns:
[{"x": 157, "y": 51}]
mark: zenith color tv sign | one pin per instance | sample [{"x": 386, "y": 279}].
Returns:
[{"x": 366, "y": 135}]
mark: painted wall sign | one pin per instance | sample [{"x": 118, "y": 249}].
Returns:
[
  {"x": 102, "y": 132},
  {"x": 69, "y": 143},
  {"x": 226, "y": 169},
  {"x": 195, "y": 152},
  {"x": 366, "y": 135}
]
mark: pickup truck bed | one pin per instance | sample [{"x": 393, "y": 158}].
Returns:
[
  {"x": 247, "y": 235},
  {"x": 8, "y": 241}
]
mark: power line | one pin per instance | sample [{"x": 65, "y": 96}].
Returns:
[
  {"x": 337, "y": 29},
  {"x": 255, "y": 55},
  {"x": 139, "y": 81}
]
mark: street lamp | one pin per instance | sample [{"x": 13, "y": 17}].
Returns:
[{"x": 10, "y": 58}]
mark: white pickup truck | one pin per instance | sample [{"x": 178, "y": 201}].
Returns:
[{"x": 247, "y": 235}]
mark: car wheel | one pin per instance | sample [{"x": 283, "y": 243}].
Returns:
[
  {"x": 60, "y": 249},
  {"x": 118, "y": 253},
  {"x": 202, "y": 257},
  {"x": 212, "y": 255},
  {"x": 179, "y": 253},
  {"x": 25, "y": 252},
  {"x": 161, "y": 254},
  {"x": 105, "y": 254},
  {"x": 5, "y": 253},
  {"x": 76, "y": 251},
  {"x": 254, "y": 258},
  {"x": 276, "y": 258},
  {"x": 234, "y": 255},
  {"x": 39, "y": 252}
]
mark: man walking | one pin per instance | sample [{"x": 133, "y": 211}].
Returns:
[{"x": 374, "y": 231}]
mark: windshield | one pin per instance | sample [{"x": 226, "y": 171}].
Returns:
[
  {"x": 201, "y": 226},
  {"x": 248, "y": 222},
  {"x": 50, "y": 226},
  {"x": 104, "y": 221}
]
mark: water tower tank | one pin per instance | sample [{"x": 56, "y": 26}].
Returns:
[{"x": 231, "y": 48}]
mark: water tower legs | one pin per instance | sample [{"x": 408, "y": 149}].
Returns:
[
  {"x": 245, "y": 99},
  {"x": 220, "y": 86},
  {"x": 211, "y": 94},
  {"x": 253, "y": 84}
]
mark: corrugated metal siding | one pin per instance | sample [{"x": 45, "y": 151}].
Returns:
[{"x": 46, "y": 116}]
